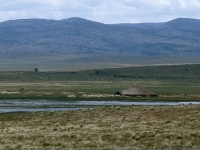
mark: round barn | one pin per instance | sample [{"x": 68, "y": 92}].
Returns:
[{"x": 136, "y": 91}]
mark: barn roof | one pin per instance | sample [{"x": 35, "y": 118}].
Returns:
[{"x": 137, "y": 91}]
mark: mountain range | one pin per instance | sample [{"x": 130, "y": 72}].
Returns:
[{"x": 178, "y": 37}]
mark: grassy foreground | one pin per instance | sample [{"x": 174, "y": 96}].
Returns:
[{"x": 140, "y": 127}]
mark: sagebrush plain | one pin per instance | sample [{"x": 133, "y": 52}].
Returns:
[{"x": 125, "y": 127}]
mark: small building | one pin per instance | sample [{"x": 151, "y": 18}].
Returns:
[{"x": 136, "y": 91}]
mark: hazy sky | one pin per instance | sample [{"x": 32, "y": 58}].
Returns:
[{"x": 105, "y": 11}]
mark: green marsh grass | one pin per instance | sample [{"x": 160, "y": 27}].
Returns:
[{"x": 169, "y": 82}]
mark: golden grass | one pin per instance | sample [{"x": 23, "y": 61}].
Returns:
[{"x": 130, "y": 127}]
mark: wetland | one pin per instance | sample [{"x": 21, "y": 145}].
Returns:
[
  {"x": 170, "y": 82},
  {"x": 33, "y": 109}
]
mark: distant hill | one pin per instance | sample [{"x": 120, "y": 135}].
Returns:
[{"x": 179, "y": 37}]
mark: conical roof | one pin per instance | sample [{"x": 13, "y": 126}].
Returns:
[{"x": 136, "y": 90}]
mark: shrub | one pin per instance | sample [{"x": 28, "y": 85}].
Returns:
[
  {"x": 45, "y": 144},
  {"x": 179, "y": 137},
  {"x": 36, "y": 70}
]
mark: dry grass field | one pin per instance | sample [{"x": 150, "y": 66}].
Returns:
[{"x": 115, "y": 127}]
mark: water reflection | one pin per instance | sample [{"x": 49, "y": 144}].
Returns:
[{"x": 50, "y": 105}]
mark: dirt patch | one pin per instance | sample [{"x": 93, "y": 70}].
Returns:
[
  {"x": 97, "y": 95},
  {"x": 6, "y": 92}
]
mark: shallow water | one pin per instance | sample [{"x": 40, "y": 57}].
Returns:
[{"x": 55, "y": 105}]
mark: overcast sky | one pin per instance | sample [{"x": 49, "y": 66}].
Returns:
[{"x": 104, "y": 11}]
